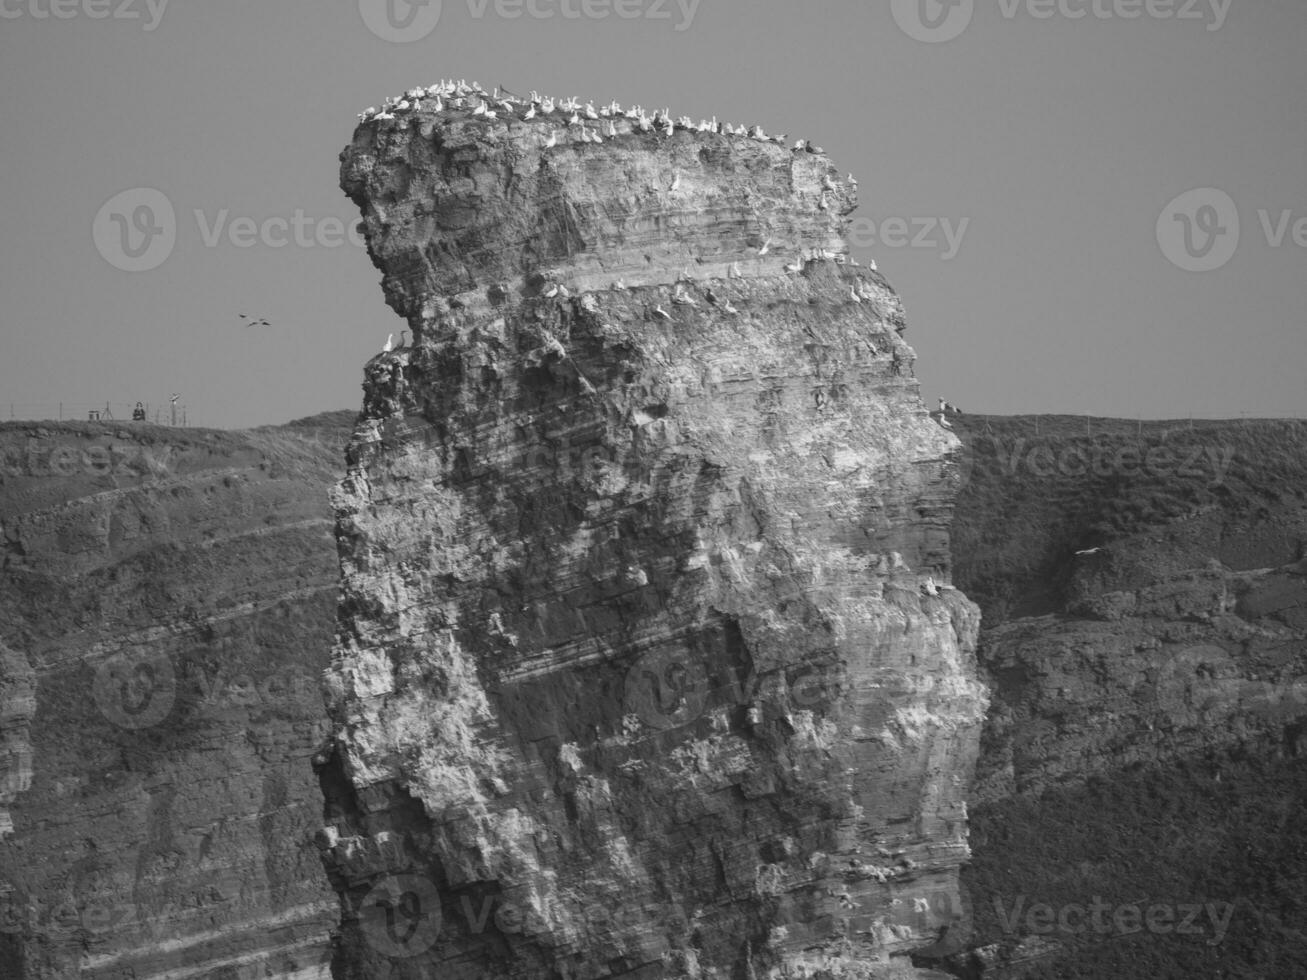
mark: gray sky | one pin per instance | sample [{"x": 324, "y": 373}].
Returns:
[{"x": 1053, "y": 147}]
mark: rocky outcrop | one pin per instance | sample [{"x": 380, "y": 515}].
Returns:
[
  {"x": 165, "y": 613},
  {"x": 647, "y": 663}
]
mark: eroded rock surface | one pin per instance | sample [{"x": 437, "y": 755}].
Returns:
[
  {"x": 648, "y": 665},
  {"x": 1144, "y": 587},
  {"x": 166, "y": 602}
]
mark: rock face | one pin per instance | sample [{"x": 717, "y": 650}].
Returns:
[
  {"x": 641, "y": 669},
  {"x": 1155, "y": 608},
  {"x": 1146, "y": 646},
  {"x": 165, "y": 615}
]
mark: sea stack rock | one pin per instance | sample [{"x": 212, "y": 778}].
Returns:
[{"x": 635, "y": 673}]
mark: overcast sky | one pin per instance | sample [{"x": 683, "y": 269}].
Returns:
[{"x": 1025, "y": 169}]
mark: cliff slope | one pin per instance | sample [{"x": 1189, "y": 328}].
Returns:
[
  {"x": 1144, "y": 589},
  {"x": 165, "y": 615},
  {"x": 641, "y": 669}
]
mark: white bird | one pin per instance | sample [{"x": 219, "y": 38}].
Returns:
[
  {"x": 827, "y": 183},
  {"x": 390, "y": 342},
  {"x": 929, "y": 586},
  {"x": 794, "y": 267},
  {"x": 1089, "y": 551},
  {"x": 945, "y": 422},
  {"x": 660, "y": 312},
  {"x": 734, "y": 271},
  {"x": 853, "y": 180},
  {"x": 553, "y": 138},
  {"x": 530, "y": 113},
  {"x": 682, "y": 297},
  {"x": 872, "y": 266},
  {"x": 766, "y": 247},
  {"x": 480, "y": 109},
  {"x": 551, "y": 292},
  {"x": 612, "y": 129},
  {"x": 676, "y": 182},
  {"x": 590, "y": 112},
  {"x": 620, "y": 284},
  {"x": 573, "y": 120},
  {"x": 730, "y": 309},
  {"x": 402, "y": 105},
  {"x": 853, "y": 293}
]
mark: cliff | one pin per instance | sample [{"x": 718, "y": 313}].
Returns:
[
  {"x": 165, "y": 616},
  {"x": 1145, "y": 607},
  {"x": 647, "y": 662}
]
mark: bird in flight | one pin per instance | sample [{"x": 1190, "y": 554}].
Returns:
[{"x": 250, "y": 322}]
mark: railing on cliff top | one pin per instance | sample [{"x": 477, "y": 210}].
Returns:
[{"x": 165, "y": 413}]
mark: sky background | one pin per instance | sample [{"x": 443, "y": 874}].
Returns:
[{"x": 1062, "y": 142}]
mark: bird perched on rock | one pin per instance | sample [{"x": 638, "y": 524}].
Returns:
[
  {"x": 661, "y": 313},
  {"x": 389, "y": 343},
  {"x": 853, "y": 294},
  {"x": 766, "y": 247},
  {"x": 929, "y": 586},
  {"x": 730, "y": 309}
]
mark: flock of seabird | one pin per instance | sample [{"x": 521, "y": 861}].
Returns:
[{"x": 584, "y": 121}]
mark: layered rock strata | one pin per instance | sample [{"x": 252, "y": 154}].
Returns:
[
  {"x": 647, "y": 664},
  {"x": 166, "y": 602}
]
